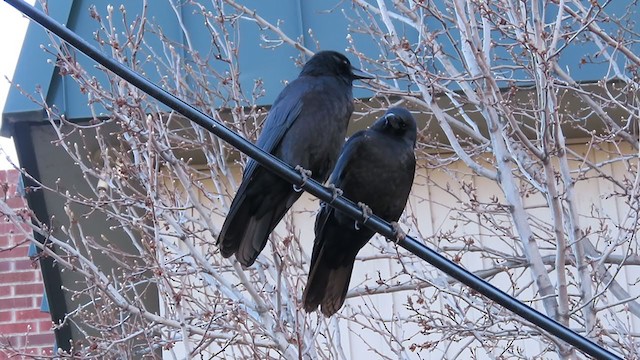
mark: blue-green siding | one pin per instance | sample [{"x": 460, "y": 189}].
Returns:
[
  {"x": 32, "y": 69},
  {"x": 271, "y": 65}
]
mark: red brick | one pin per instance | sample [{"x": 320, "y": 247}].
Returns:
[
  {"x": 24, "y": 264},
  {"x": 31, "y": 351},
  {"x": 18, "y": 277},
  {"x": 6, "y": 316},
  {"x": 44, "y": 317},
  {"x": 6, "y": 291},
  {"x": 36, "y": 289},
  {"x": 8, "y": 175},
  {"x": 45, "y": 326},
  {"x": 21, "y": 285},
  {"x": 11, "y": 254},
  {"x": 6, "y": 225},
  {"x": 26, "y": 314},
  {"x": 20, "y": 244},
  {"x": 7, "y": 235},
  {"x": 43, "y": 351},
  {"x": 24, "y": 228},
  {"x": 15, "y": 202},
  {"x": 39, "y": 315},
  {"x": 15, "y": 341},
  {"x": 34, "y": 340},
  {"x": 17, "y": 303},
  {"x": 12, "y": 257},
  {"x": 12, "y": 176},
  {"x": 6, "y": 266},
  {"x": 19, "y": 251},
  {"x": 16, "y": 328},
  {"x": 4, "y": 240}
]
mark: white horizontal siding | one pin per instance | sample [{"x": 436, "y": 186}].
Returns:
[{"x": 431, "y": 216}]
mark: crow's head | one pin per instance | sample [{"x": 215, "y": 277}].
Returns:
[
  {"x": 399, "y": 122},
  {"x": 333, "y": 63}
]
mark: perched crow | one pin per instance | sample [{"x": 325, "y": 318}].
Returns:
[
  {"x": 306, "y": 128},
  {"x": 375, "y": 168}
]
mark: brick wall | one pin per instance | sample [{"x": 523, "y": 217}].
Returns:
[{"x": 23, "y": 327}]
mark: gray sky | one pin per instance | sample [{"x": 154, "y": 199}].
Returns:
[{"x": 12, "y": 27}]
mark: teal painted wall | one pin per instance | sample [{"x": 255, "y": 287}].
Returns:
[{"x": 270, "y": 65}]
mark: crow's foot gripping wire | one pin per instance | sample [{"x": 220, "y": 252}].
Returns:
[
  {"x": 306, "y": 174},
  {"x": 398, "y": 233},
  {"x": 366, "y": 213},
  {"x": 335, "y": 192}
]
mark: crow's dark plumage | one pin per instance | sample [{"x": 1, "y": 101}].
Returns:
[
  {"x": 306, "y": 127},
  {"x": 376, "y": 167}
]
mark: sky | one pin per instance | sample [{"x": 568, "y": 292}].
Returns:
[{"x": 12, "y": 28}]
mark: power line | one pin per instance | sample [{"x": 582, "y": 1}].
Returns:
[{"x": 294, "y": 177}]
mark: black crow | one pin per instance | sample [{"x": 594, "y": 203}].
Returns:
[
  {"x": 376, "y": 168},
  {"x": 306, "y": 127}
]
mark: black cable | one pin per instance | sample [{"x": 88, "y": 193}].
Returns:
[{"x": 313, "y": 187}]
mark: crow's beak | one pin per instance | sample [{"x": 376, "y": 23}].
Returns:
[
  {"x": 386, "y": 119},
  {"x": 359, "y": 74}
]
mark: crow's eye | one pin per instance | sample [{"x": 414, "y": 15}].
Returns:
[
  {"x": 403, "y": 125},
  {"x": 341, "y": 60}
]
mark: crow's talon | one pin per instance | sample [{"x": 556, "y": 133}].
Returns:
[
  {"x": 398, "y": 234},
  {"x": 305, "y": 174},
  {"x": 366, "y": 213},
  {"x": 335, "y": 192}
]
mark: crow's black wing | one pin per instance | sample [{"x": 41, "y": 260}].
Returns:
[
  {"x": 282, "y": 115},
  {"x": 262, "y": 196},
  {"x": 377, "y": 168},
  {"x": 331, "y": 263},
  {"x": 349, "y": 152}
]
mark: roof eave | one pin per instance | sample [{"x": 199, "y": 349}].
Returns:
[
  {"x": 9, "y": 120},
  {"x": 32, "y": 73}
]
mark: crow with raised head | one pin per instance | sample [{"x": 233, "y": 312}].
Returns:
[
  {"x": 306, "y": 127},
  {"x": 376, "y": 168}
]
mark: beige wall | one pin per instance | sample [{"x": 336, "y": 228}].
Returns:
[{"x": 429, "y": 216}]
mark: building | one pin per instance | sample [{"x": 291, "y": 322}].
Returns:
[
  {"x": 460, "y": 209},
  {"x": 25, "y": 323}
]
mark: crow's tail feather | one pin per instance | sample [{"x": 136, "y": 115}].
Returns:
[{"x": 327, "y": 288}]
